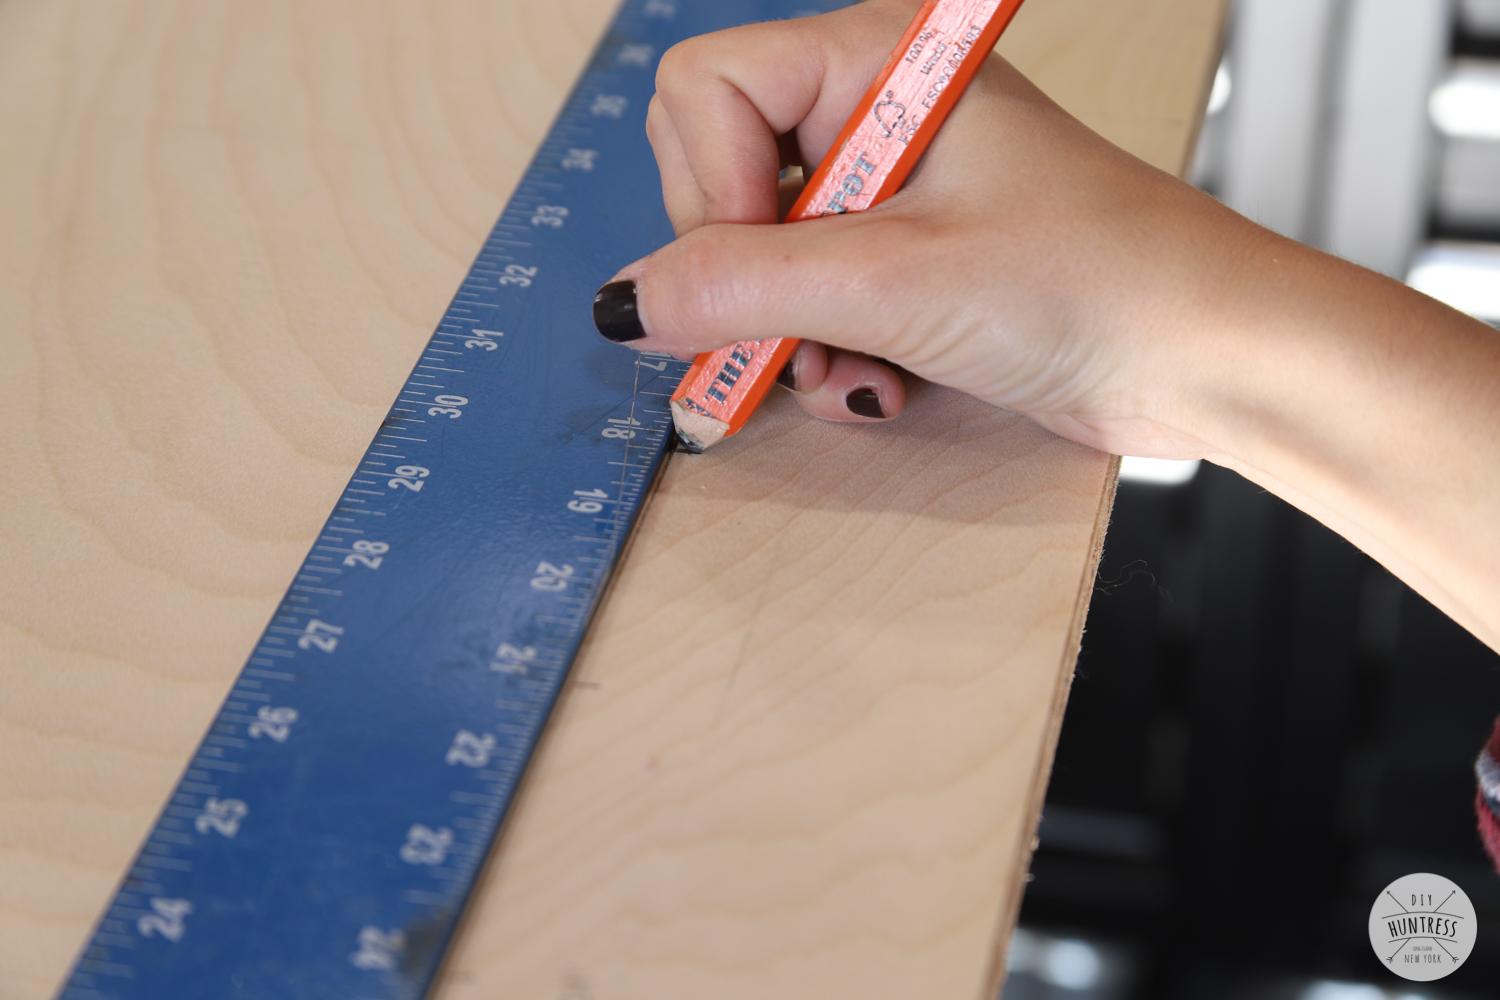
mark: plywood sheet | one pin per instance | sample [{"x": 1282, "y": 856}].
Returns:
[{"x": 227, "y": 229}]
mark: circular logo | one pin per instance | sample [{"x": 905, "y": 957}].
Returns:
[{"x": 1422, "y": 927}]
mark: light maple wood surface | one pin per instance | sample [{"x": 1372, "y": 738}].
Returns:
[{"x": 226, "y": 229}]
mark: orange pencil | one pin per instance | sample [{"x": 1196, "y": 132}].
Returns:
[{"x": 895, "y": 122}]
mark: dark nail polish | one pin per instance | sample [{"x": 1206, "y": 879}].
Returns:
[
  {"x": 615, "y": 312},
  {"x": 865, "y": 403},
  {"x": 788, "y": 376}
]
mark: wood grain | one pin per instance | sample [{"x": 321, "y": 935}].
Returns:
[{"x": 225, "y": 231}]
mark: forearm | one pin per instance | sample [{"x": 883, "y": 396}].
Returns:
[{"x": 1370, "y": 407}]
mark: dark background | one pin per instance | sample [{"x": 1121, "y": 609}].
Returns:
[{"x": 1266, "y": 728}]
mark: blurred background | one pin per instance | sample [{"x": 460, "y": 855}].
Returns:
[{"x": 1266, "y": 728}]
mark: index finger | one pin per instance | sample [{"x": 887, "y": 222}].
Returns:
[{"x": 725, "y": 100}]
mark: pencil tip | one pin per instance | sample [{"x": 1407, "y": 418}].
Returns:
[{"x": 697, "y": 431}]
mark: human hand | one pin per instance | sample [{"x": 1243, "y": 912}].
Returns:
[{"x": 1027, "y": 262}]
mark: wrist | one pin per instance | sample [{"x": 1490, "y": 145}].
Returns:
[
  {"x": 1190, "y": 359},
  {"x": 1273, "y": 354}
]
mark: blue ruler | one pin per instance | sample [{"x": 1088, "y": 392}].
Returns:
[{"x": 325, "y": 837}]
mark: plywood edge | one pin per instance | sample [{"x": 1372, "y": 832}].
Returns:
[{"x": 1063, "y": 683}]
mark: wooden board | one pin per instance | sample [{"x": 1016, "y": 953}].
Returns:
[{"x": 227, "y": 229}]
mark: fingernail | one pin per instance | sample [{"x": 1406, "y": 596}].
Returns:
[
  {"x": 615, "y": 312},
  {"x": 788, "y": 376},
  {"x": 865, "y": 403}
]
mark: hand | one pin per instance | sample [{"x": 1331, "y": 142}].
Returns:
[{"x": 1027, "y": 262}]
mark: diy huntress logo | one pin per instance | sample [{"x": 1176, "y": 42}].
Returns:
[{"x": 1422, "y": 927}]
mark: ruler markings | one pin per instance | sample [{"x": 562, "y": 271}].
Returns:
[{"x": 373, "y": 742}]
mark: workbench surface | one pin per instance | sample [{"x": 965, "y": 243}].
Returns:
[{"x": 228, "y": 229}]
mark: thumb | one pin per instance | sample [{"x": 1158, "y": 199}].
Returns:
[{"x": 826, "y": 279}]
